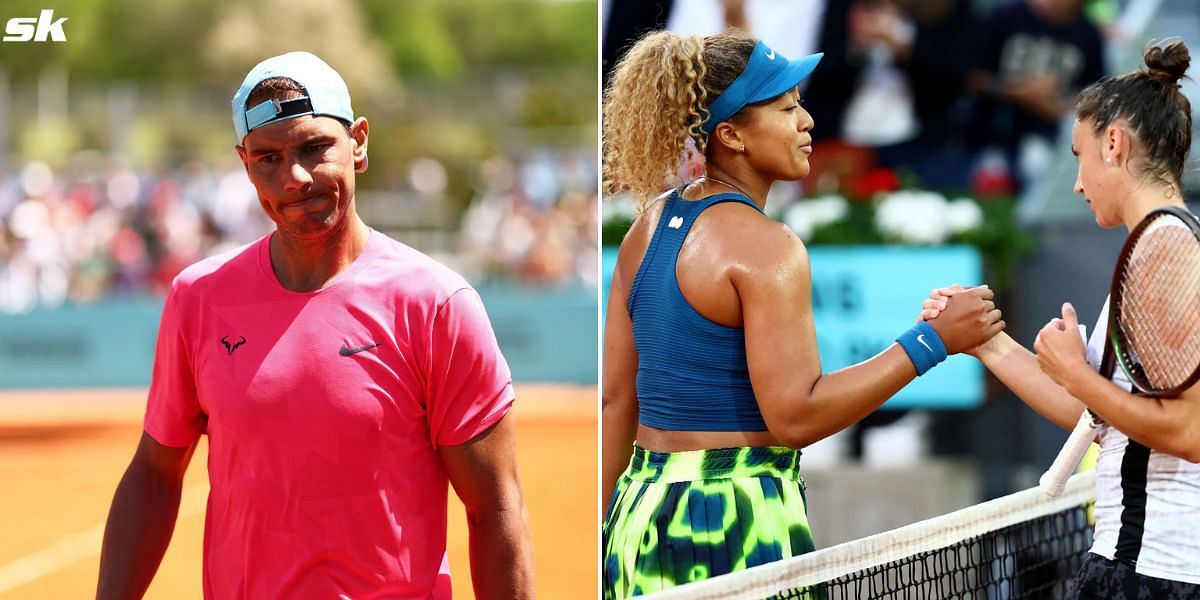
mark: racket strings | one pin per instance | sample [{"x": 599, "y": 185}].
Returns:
[{"x": 1159, "y": 316}]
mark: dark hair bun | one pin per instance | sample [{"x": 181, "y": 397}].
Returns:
[{"x": 1168, "y": 61}]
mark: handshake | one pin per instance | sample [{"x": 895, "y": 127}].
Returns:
[{"x": 965, "y": 318}]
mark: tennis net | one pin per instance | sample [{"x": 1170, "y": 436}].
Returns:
[{"x": 1025, "y": 545}]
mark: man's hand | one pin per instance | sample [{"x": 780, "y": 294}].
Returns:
[{"x": 1060, "y": 351}]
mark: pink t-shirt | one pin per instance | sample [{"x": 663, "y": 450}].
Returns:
[{"x": 324, "y": 412}]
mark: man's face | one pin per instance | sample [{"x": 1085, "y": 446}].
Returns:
[{"x": 303, "y": 169}]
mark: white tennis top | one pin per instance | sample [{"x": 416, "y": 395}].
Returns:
[{"x": 1162, "y": 493}]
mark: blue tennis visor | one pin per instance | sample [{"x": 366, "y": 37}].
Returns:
[{"x": 767, "y": 75}]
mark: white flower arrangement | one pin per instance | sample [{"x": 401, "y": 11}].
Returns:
[
  {"x": 963, "y": 214},
  {"x": 805, "y": 216},
  {"x": 923, "y": 217}
]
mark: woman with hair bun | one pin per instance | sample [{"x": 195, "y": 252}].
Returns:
[
  {"x": 1131, "y": 136},
  {"x": 710, "y": 353}
]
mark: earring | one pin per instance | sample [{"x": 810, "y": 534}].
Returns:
[{"x": 743, "y": 148}]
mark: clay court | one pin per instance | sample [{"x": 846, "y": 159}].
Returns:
[{"x": 62, "y": 454}]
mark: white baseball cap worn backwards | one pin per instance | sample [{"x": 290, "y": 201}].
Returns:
[{"x": 325, "y": 93}]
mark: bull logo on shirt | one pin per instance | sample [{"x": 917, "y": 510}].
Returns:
[{"x": 231, "y": 345}]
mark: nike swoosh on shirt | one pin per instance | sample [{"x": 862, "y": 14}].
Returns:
[{"x": 349, "y": 351}]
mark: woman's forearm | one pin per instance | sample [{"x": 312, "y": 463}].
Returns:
[{"x": 1017, "y": 368}]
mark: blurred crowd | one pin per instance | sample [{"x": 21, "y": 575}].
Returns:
[
  {"x": 957, "y": 93},
  {"x": 534, "y": 220},
  {"x": 98, "y": 227}
]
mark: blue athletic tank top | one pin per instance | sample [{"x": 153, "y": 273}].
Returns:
[{"x": 692, "y": 373}]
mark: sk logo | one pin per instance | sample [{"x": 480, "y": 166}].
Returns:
[
  {"x": 231, "y": 345},
  {"x": 675, "y": 223},
  {"x": 42, "y": 28}
]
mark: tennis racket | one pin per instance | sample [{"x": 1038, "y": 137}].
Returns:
[{"x": 1153, "y": 323}]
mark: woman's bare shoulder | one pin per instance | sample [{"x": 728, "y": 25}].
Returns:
[{"x": 756, "y": 240}]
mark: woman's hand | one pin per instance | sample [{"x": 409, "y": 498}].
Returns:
[
  {"x": 1060, "y": 351},
  {"x": 936, "y": 303},
  {"x": 939, "y": 299},
  {"x": 968, "y": 319}
]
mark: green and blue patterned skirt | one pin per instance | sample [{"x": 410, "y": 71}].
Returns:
[{"x": 680, "y": 517}]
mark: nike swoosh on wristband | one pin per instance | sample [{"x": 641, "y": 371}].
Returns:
[
  {"x": 921, "y": 338},
  {"x": 771, "y": 55},
  {"x": 349, "y": 351}
]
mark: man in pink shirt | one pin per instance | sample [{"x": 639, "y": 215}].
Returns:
[{"x": 343, "y": 379}]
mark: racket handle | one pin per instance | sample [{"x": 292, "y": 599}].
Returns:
[{"x": 1055, "y": 479}]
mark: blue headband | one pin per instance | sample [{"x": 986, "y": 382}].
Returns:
[{"x": 767, "y": 75}]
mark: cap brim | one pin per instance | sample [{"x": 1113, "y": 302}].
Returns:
[{"x": 788, "y": 78}]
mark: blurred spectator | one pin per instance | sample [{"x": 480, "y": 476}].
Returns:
[
  {"x": 881, "y": 112},
  {"x": 903, "y": 67},
  {"x": 1033, "y": 56}
]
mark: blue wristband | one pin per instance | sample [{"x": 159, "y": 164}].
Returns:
[{"x": 923, "y": 346}]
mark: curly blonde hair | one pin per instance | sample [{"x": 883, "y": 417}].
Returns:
[{"x": 657, "y": 102}]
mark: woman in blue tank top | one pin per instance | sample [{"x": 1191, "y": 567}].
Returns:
[{"x": 710, "y": 355}]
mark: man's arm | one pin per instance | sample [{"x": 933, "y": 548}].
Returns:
[
  {"x": 484, "y": 474},
  {"x": 142, "y": 519}
]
